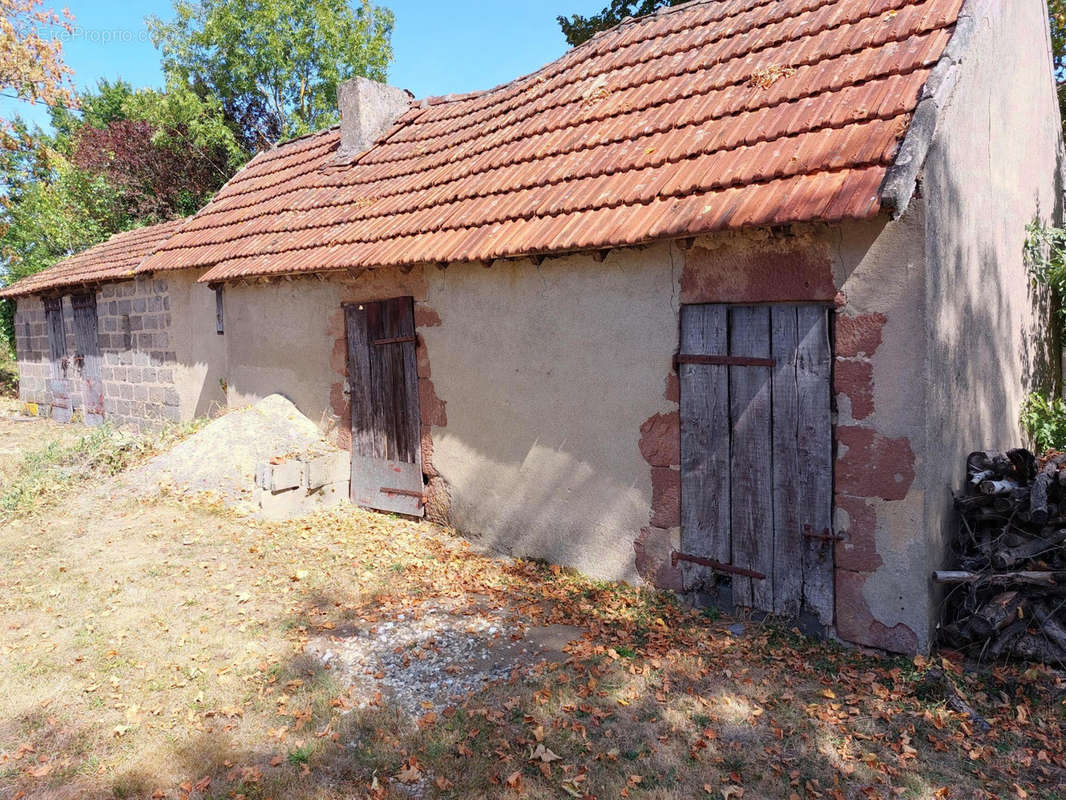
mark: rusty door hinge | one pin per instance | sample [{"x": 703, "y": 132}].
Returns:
[
  {"x": 420, "y": 496},
  {"x": 717, "y": 566},
  {"x": 824, "y": 535},
  {"x": 727, "y": 361}
]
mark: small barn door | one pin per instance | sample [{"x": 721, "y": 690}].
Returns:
[
  {"x": 87, "y": 357},
  {"x": 756, "y": 456},
  {"x": 58, "y": 384},
  {"x": 383, "y": 386}
]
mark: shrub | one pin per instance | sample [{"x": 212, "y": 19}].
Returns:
[{"x": 1044, "y": 419}]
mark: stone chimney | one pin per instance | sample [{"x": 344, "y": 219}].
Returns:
[{"x": 367, "y": 109}]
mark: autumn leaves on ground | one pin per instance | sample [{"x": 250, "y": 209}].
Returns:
[{"x": 158, "y": 648}]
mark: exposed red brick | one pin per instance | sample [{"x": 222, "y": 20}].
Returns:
[
  {"x": 673, "y": 388},
  {"x": 426, "y": 317},
  {"x": 427, "y": 455},
  {"x": 652, "y": 550},
  {"x": 338, "y": 403},
  {"x": 432, "y": 408},
  {"x": 759, "y": 275},
  {"x": 660, "y": 440},
  {"x": 871, "y": 465},
  {"x": 422, "y": 358},
  {"x": 438, "y": 505},
  {"x": 861, "y": 335},
  {"x": 858, "y": 550},
  {"x": 855, "y": 380},
  {"x": 338, "y": 357},
  {"x": 665, "y": 497},
  {"x": 856, "y": 624}
]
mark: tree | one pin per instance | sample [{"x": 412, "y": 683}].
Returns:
[
  {"x": 31, "y": 63},
  {"x": 123, "y": 158},
  {"x": 578, "y": 29},
  {"x": 1057, "y": 18},
  {"x": 274, "y": 64},
  {"x": 165, "y": 153},
  {"x": 49, "y": 209}
]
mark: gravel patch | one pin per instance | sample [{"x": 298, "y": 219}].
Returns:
[{"x": 438, "y": 657}]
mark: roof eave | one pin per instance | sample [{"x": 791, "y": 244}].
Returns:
[{"x": 901, "y": 178}]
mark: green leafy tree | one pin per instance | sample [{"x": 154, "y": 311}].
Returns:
[
  {"x": 121, "y": 159},
  {"x": 274, "y": 64},
  {"x": 578, "y": 29},
  {"x": 1057, "y": 18},
  {"x": 49, "y": 209}
]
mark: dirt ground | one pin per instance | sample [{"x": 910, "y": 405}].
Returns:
[{"x": 169, "y": 648}]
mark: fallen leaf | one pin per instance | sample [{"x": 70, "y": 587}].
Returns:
[
  {"x": 409, "y": 774},
  {"x": 542, "y": 753}
]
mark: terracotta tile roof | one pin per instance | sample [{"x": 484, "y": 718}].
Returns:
[
  {"x": 112, "y": 260},
  {"x": 708, "y": 116}
]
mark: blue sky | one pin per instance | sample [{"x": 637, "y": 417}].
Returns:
[{"x": 440, "y": 46}]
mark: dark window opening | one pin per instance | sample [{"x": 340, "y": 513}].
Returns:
[{"x": 219, "y": 323}]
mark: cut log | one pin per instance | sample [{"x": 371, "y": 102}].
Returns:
[
  {"x": 988, "y": 460},
  {"x": 1051, "y": 627},
  {"x": 1005, "y": 640},
  {"x": 1033, "y": 647},
  {"x": 999, "y": 487},
  {"x": 1032, "y": 578},
  {"x": 1007, "y": 557},
  {"x": 997, "y": 613},
  {"x": 1038, "y": 510},
  {"x": 1023, "y": 462}
]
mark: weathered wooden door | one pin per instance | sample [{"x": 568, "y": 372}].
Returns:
[
  {"x": 58, "y": 384},
  {"x": 87, "y": 357},
  {"x": 756, "y": 456},
  {"x": 383, "y": 386}
]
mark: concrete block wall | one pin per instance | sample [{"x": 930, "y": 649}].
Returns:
[
  {"x": 138, "y": 357},
  {"x": 138, "y": 362},
  {"x": 31, "y": 350}
]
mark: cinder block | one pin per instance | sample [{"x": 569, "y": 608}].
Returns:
[
  {"x": 323, "y": 470},
  {"x": 280, "y": 477}
]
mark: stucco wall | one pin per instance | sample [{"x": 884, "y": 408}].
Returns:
[
  {"x": 548, "y": 373},
  {"x": 200, "y": 354},
  {"x": 994, "y": 166}
]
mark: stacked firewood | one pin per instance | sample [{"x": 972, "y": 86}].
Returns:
[{"x": 1006, "y": 597}]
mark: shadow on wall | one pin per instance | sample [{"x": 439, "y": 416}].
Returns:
[
  {"x": 993, "y": 333},
  {"x": 560, "y": 507}
]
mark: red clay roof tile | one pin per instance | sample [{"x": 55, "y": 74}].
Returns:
[
  {"x": 706, "y": 116},
  {"x": 114, "y": 259}
]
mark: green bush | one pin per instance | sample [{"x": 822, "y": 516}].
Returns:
[{"x": 1044, "y": 419}]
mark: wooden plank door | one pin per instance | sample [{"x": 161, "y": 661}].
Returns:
[
  {"x": 383, "y": 385},
  {"x": 58, "y": 384},
  {"x": 87, "y": 357},
  {"x": 756, "y": 459}
]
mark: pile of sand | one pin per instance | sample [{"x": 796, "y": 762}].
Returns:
[{"x": 222, "y": 457}]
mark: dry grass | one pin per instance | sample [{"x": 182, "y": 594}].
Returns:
[{"x": 156, "y": 650}]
